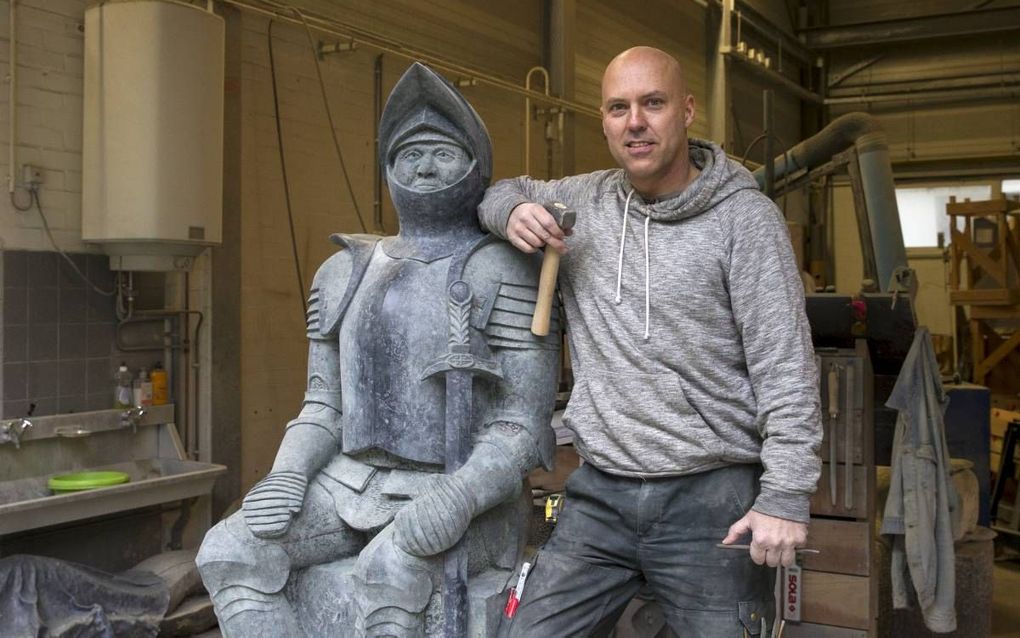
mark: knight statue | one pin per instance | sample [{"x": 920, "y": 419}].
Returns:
[{"x": 399, "y": 488}]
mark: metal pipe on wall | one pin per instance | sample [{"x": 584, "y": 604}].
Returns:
[
  {"x": 527, "y": 113},
  {"x": 12, "y": 97},
  {"x": 1001, "y": 91},
  {"x": 883, "y": 213},
  {"x": 1000, "y": 77},
  {"x": 839, "y": 135},
  {"x": 864, "y": 133},
  {"x": 718, "y": 96},
  {"x": 382, "y": 43}
]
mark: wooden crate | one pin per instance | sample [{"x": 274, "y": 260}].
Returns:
[
  {"x": 1000, "y": 419},
  {"x": 839, "y": 587},
  {"x": 844, "y": 547},
  {"x": 836, "y": 599}
]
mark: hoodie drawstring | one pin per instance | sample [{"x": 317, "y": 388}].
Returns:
[
  {"x": 647, "y": 278},
  {"x": 623, "y": 239},
  {"x": 619, "y": 262}
]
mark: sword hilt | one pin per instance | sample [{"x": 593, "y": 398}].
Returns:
[
  {"x": 459, "y": 356},
  {"x": 460, "y": 313}
]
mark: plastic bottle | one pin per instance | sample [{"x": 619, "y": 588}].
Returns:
[
  {"x": 122, "y": 394},
  {"x": 160, "y": 393},
  {"x": 145, "y": 389}
]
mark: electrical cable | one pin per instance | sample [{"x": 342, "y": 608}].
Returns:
[
  {"x": 283, "y": 171},
  {"x": 786, "y": 157},
  {"x": 750, "y": 147},
  {"x": 34, "y": 190},
  {"x": 329, "y": 118}
]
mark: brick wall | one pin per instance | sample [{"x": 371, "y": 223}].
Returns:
[{"x": 49, "y": 114}]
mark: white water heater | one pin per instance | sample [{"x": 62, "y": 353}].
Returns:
[{"x": 152, "y": 176}]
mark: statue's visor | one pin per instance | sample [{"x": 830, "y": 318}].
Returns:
[{"x": 428, "y": 126}]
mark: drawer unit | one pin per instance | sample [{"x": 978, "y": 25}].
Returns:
[
  {"x": 844, "y": 547},
  {"x": 823, "y": 503},
  {"x": 838, "y": 587}
]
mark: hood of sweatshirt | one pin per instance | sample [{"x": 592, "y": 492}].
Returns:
[{"x": 719, "y": 179}]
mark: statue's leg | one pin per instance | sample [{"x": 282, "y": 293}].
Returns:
[
  {"x": 246, "y": 575},
  {"x": 394, "y": 588}
]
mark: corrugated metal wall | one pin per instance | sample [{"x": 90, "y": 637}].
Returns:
[
  {"x": 500, "y": 38},
  {"x": 923, "y": 129}
]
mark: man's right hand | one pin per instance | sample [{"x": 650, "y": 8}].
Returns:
[
  {"x": 531, "y": 227},
  {"x": 271, "y": 505}
]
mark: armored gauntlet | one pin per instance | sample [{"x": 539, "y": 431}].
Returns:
[{"x": 271, "y": 505}]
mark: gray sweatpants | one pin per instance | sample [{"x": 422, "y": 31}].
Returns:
[{"x": 617, "y": 534}]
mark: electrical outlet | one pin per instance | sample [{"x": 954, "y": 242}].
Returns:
[{"x": 31, "y": 175}]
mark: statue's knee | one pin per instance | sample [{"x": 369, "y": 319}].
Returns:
[
  {"x": 393, "y": 588},
  {"x": 231, "y": 555},
  {"x": 223, "y": 543}
]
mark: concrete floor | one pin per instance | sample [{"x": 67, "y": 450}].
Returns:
[
  {"x": 1005, "y": 602},
  {"x": 1006, "y": 599}
]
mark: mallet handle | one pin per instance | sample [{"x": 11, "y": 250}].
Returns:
[{"x": 546, "y": 290}]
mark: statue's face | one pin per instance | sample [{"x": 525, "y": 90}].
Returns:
[{"x": 430, "y": 165}]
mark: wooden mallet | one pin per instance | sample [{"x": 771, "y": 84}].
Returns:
[{"x": 565, "y": 218}]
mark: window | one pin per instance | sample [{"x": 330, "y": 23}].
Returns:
[
  {"x": 923, "y": 211},
  {"x": 1011, "y": 188}
]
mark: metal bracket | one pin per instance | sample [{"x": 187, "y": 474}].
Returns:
[{"x": 325, "y": 48}]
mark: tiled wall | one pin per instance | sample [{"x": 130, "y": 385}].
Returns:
[{"x": 58, "y": 334}]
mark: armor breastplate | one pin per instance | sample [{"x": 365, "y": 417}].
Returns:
[{"x": 395, "y": 326}]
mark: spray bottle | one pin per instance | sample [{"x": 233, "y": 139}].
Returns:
[{"x": 122, "y": 394}]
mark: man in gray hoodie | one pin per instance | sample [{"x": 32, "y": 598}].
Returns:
[{"x": 695, "y": 404}]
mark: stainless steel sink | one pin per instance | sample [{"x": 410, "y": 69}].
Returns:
[
  {"x": 28, "y": 504},
  {"x": 148, "y": 450}
]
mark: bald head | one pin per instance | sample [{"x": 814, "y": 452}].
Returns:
[
  {"x": 645, "y": 114},
  {"x": 645, "y": 60}
]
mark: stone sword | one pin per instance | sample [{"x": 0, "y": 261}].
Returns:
[{"x": 459, "y": 367}]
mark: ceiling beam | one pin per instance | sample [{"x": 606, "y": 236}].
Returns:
[
  {"x": 1003, "y": 166},
  {"x": 908, "y": 29},
  {"x": 947, "y": 94}
]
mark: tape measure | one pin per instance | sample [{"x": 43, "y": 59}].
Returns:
[{"x": 553, "y": 505}]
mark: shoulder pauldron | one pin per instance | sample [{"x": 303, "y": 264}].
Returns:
[
  {"x": 505, "y": 283},
  {"x": 336, "y": 282}
]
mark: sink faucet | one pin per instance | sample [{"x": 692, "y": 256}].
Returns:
[
  {"x": 132, "y": 417},
  {"x": 12, "y": 431}
]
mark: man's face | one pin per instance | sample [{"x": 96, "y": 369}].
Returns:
[
  {"x": 645, "y": 115},
  {"x": 429, "y": 165}
]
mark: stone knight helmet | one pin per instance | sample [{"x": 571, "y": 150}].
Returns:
[{"x": 425, "y": 107}]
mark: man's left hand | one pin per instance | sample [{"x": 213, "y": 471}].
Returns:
[{"x": 773, "y": 540}]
